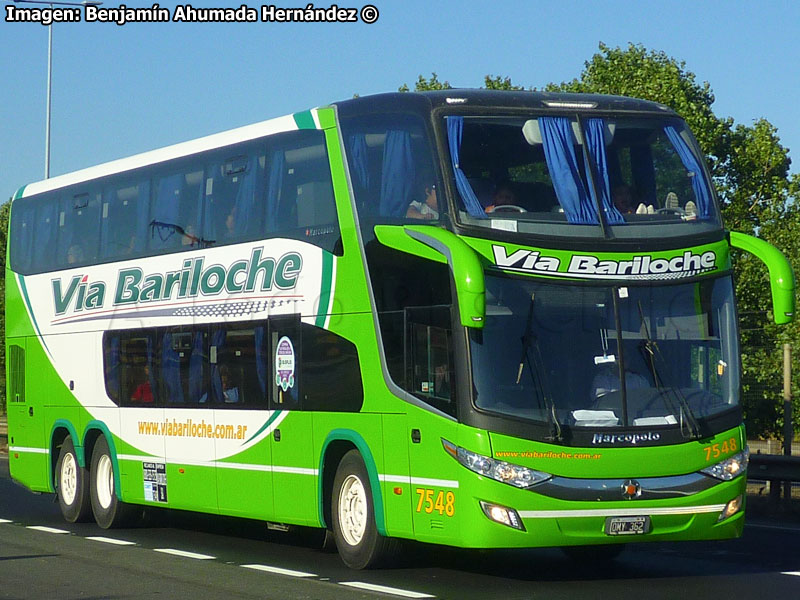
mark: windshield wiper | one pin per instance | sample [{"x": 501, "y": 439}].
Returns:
[
  {"x": 529, "y": 341},
  {"x": 650, "y": 351}
]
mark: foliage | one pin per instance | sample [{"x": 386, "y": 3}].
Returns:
[
  {"x": 427, "y": 85},
  {"x": 4, "y": 212}
]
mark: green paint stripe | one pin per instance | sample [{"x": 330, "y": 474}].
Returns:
[
  {"x": 24, "y": 289},
  {"x": 326, "y": 290},
  {"x": 304, "y": 120},
  {"x": 19, "y": 193},
  {"x": 269, "y": 422}
]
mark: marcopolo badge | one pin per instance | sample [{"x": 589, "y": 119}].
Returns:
[{"x": 284, "y": 364}]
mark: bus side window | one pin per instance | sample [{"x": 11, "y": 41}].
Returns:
[
  {"x": 300, "y": 201},
  {"x": 78, "y": 228},
  {"x": 285, "y": 356},
  {"x": 175, "y": 223},
  {"x": 429, "y": 354},
  {"x": 237, "y": 368},
  {"x": 182, "y": 362},
  {"x": 124, "y": 220},
  {"x": 330, "y": 371},
  {"x": 128, "y": 367},
  {"x": 234, "y": 191}
]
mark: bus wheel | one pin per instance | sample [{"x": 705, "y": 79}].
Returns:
[
  {"x": 108, "y": 511},
  {"x": 72, "y": 485},
  {"x": 353, "y": 515}
]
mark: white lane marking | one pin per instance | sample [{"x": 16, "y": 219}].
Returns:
[
  {"x": 279, "y": 571},
  {"x": 795, "y": 573},
  {"x": 46, "y": 529},
  {"x": 5, "y": 521},
  {"x": 184, "y": 553},
  {"x": 105, "y": 540},
  {"x": 796, "y": 529},
  {"x": 386, "y": 590}
]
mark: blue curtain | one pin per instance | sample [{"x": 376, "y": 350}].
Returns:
[
  {"x": 559, "y": 151},
  {"x": 397, "y": 174},
  {"x": 261, "y": 358},
  {"x": 644, "y": 173},
  {"x": 113, "y": 363},
  {"x": 277, "y": 166},
  {"x": 196, "y": 362},
  {"x": 595, "y": 140},
  {"x": 701, "y": 193},
  {"x": 359, "y": 166},
  {"x": 245, "y": 203},
  {"x": 171, "y": 370},
  {"x": 46, "y": 227},
  {"x": 455, "y": 128},
  {"x": 218, "y": 340},
  {"x": 151, "y": 376}
]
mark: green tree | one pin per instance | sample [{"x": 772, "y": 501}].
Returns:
[
  {"x": 427, "y": 85},
  {"x": 4, "y": 213}
]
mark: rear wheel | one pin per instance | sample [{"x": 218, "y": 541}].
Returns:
[
  {"x": 72, "y": 485},
  {"x": 353, "y": 515},
  {"x": 108, "y": 511}
]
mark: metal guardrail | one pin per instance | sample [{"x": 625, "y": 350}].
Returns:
[{"x": 774, "y": 467}]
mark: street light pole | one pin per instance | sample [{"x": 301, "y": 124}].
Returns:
[
  {"x": 50, "y": 72},
  {"x": 49, "y": 100}
]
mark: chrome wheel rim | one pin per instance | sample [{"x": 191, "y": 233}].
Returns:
[
  {"x": 104, "y": 481},
  {"x": 353, "y": 510},
  {"x": 68, "y": 479}
]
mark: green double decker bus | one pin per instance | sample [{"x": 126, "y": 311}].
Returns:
[{"x": 472, "y": 318}]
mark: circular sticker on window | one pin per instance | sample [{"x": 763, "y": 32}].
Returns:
[{"x": 284, "y": 364}]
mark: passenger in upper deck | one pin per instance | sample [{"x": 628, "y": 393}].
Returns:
[
  {"x": 428, "y": 209},
  {"x": 623, "y": 199}
]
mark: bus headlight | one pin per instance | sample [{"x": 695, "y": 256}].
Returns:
[
  {"x": 730, "y": 468},
  {"x": 499, "y": 470}
]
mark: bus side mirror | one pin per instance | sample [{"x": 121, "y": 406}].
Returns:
[
  {"x": 781, "y": 277},
  {"x": 444, "y": 246}
]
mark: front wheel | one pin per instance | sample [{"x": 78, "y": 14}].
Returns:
[
  {"x": 108, "y": 511},
  {"x": 357, "y": 538},
  {"x": 72, "y": 485}
]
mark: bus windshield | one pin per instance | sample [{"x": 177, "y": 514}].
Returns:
[
  {"x": 643, "y": 174},
  {"x": 555, "y": 353}
]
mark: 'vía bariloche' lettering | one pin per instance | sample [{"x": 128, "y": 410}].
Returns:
[
  {"x": 532, "y": 261},
  {"x": 193, "y": 279}
]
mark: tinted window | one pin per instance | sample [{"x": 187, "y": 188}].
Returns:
[{"x": 277, "y": 186}]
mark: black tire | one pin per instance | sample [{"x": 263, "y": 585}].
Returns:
[
  {"x": 108, "y": 511},
  {"x": 72, "y": 485},
  {"x": 601, "y": 553},
  {"x": 353, "y": 517}
]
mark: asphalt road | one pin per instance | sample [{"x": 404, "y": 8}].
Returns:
[{"x": 180, "y": 555}]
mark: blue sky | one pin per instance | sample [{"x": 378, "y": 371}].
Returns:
[{"x": 119, "y": 91}]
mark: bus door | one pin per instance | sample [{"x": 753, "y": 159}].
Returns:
[
  {"x": 238, "y": 381},
  {"x": 430, "y": 378},
  {"x": 293, "y": 464},
  {"x": 27, "y": 444}
]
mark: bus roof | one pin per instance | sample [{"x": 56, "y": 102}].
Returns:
[
  {"x": 210, "y": 142},
  {"x": 389, "y": 101},
  {"x": 502, "y": 99}
]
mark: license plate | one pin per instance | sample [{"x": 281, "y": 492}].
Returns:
[{"x": 627, "y": 525}]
